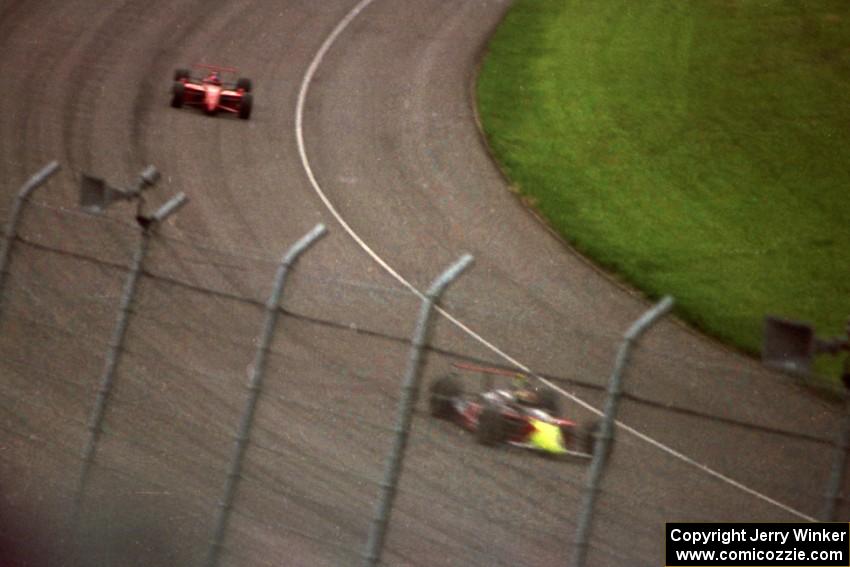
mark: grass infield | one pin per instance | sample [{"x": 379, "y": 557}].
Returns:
[{"x": 698, "y": 148}]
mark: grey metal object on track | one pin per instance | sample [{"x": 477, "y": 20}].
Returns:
[
  {"x": 409, "y": 393},
  {"x": 600, "y": 453},
  {"x": 254, "y": 387}
]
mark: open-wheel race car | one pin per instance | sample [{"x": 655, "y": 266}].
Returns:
[
  {"x": 520, "y": 415},
  {"x": 210, "y": 93}
]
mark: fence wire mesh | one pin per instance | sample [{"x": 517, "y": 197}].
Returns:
[{"x": 325, "y": 419}]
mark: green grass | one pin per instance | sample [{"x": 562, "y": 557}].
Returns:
[{"x": 698, "y": 148}]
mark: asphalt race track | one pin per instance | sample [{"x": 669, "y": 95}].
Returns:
[{"x": 382, "y": 98}]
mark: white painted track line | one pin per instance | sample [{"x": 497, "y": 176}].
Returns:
[{"x": 299, "y": 134}]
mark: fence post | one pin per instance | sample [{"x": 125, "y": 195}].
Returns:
[
  {"x": 116, "y": 343},
  {"x": 243, "y": 433},
  {"x": 836, "y": 476},
  {"x": 409, "y": 392},
  {"x": 11, "y": 230},
  {"x": 605, "y": 434}
]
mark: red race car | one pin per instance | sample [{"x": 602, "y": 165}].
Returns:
[
  {"x": 211, "y": 93},
  {"x": 519, "y": 415}
]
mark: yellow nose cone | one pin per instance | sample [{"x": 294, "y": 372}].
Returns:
[{"x": 547, "y": 437}]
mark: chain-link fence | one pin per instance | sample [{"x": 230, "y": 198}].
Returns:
[{"x": 162, "y": 487}]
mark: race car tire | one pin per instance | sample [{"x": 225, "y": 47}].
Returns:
[
  {"x": 245, "y": 106},
  {"x": 492, "y": 428},
  {"x": 244, "y": 84},
  {"x": 178, "y": 92},
  {"x": 548, "y": 400},
  {"x": 441, "y": 393},
  {"x": 181, "y": 74},
  {"x": 587, "y": 436}
]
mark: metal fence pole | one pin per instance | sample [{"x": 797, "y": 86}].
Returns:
[
  {"x": 409, "y": 392},
  {"x": 244, "y": 432},
  {"x": 836, "y": 476},
  {"x": 11, "y": 230},
  {"x": 116, "y": 343},
  {"x": 107, "y": 375},
  {"x": 605, "y": 434}
]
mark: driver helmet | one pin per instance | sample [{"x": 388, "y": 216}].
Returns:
[
  {"x": 527, "y": 397},
  {"x": 215, "y": 78},
  {"x": 519, "y": 381}
]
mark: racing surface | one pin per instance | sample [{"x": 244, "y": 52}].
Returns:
[{"x": 388, "y": 133}]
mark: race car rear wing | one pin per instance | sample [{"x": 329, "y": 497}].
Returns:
[
  {"x": 488, "y": 371},
  {"x": 214, "y": 67}
]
